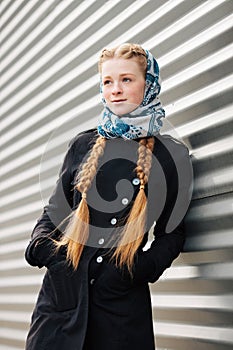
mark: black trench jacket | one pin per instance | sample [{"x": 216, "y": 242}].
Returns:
[{"x": 99, "y": 306}]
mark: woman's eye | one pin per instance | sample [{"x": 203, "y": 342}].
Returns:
[
  {"x": 126, "y": 80},
  {"x": 106, "y": 82}
]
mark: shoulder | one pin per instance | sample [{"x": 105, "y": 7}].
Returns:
[
  {"x": 173, "y": 155},
  {"x": 84, "y": 138},
  {"x": 172, "y": 145}
]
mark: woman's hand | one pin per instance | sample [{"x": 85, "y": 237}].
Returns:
[{"x": 42, "y": 252}]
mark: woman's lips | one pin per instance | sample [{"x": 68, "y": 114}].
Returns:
[{"x": 118, "y": 101}]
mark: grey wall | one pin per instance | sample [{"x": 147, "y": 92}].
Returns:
[{"x": 49, "y": 92}]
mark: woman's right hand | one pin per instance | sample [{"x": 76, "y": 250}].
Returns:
[{"x": 42, "y": 252}]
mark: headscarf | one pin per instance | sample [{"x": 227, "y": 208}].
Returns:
[{"x": 146, "y": 119}]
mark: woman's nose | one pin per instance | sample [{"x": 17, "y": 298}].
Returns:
[{"x": 116, "y": 89}]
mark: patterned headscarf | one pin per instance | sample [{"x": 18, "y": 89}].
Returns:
[{"x": 146, "y": 119}]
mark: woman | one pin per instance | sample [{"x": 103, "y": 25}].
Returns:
[{"x": 115, "y": 183}]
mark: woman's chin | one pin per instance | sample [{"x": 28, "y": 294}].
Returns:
[{"x": 121, "y": 110}]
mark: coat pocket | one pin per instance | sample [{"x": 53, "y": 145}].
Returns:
[{"x": 64, "y": 283}]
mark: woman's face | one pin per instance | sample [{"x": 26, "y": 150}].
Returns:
[{"x": 123, "y": 85}]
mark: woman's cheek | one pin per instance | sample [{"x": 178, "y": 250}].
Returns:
[{"x": 106, "y": 94}]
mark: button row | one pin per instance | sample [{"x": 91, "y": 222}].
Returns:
[{"x": 124, "y": 201}]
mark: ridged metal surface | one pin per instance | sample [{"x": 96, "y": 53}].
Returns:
[{"x": 49, "y": 92}]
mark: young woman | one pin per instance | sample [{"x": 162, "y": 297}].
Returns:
[{"x": 117, "y": 181}]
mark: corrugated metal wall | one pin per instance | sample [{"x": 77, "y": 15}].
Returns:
[{"x": 49, "y": 91}]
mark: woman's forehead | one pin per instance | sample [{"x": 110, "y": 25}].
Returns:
[{"x": 120, "y": 66}]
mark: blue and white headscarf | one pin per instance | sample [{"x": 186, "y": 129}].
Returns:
[{"x": 146, "y": 119}]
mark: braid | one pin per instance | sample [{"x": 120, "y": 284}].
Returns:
[
  {"x": 132, "y": 234},
  {"x": 141, "y": 160},
  {"x": 147, "y": 159},
  {"x": 77, "y": 231},
  {"x": 89, "y": 168}
]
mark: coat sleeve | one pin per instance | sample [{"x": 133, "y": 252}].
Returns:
[
  {"x": 40, "y": 251},
  {"x": 169, "y": 234}
]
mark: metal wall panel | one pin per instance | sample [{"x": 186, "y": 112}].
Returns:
[{"x": 49, "y": 92}]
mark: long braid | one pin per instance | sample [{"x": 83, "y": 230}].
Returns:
[
  {"x": 89, "y": 168},
  {"x": 133, "y": 231},
  {"x": 141, "y": 160},
  {"x": 148, "y": 158},
  {"x": 77, "y": 231}
]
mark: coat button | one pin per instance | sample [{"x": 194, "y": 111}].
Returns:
[
  {"x": 136, "y": 181},
  {"x": 92, "y": 281},
  {"x": 99, "y": 259},
  {"x": 124, "y": 201},
  {"x": 113, "y": 221},
  {"x": 101, "y": 241}
]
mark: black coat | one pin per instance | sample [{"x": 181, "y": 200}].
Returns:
[{"x": 99, "y": 304}]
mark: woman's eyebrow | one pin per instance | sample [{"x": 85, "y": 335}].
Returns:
[
  {"x": 126, "y": 74},
  {"x": 121, "y": 75}
]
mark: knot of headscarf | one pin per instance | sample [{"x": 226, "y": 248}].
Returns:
[{"x": 146, "y": 119}]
